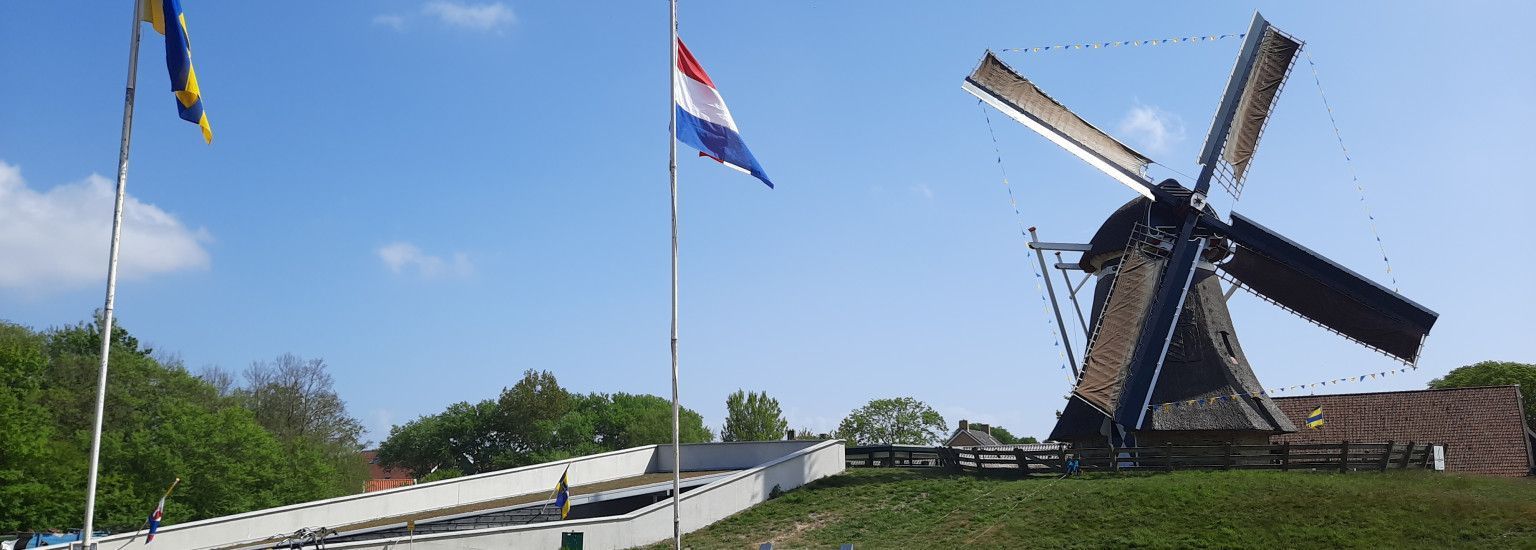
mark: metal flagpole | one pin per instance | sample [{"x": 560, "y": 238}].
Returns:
[
  {"x": 106, "y": 312},
  {"x": 677, "y": 455}
]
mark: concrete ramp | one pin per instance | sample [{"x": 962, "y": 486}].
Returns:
[{"x": 502, "y": 509}]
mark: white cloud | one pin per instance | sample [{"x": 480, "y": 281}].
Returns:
[
  {"x": 58, "y": 238},
  {"x": 480, "y": 17},
  {"x": 401, "y": 256},
  {"x": 923, "y": 189},
  {"x": 396, "y": 22},
  {"x": 1152, "y": 129}
]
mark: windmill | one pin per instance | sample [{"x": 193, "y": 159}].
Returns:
[{"x": 1162, "y": 332}]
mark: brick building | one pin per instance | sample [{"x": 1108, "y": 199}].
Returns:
[
  {"x": 381, "y": 478},
  {"x": 1483, "y": 429}
]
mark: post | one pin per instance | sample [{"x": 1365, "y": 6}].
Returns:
[
  {"x": 1407, "y": 454},
  {"x": 1285, "y": 456},
  {"x": 106, "y": 311},
  {"x": 1344, "y": 457},
  {"x": 1226, "y": 456},
  {"x": 1072, "y": 293},
  {"x": 1045, "y": 273},
  {"x": 1386, "y": 457},
  {"x": 677, "y": 453},
  {"x": 1168, "y": 455}
]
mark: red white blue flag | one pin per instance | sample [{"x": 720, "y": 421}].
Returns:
[
  {"x": 703, "y": 122},
  {"x": 154, "y": 520}
]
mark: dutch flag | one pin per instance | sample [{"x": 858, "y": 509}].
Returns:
[
  {"x": 703, "y": 122},
  {"x": 154, "y": 520}
]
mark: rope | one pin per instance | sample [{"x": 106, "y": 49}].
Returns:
[
  {"x": 1119, "y": 43},
  {"x": 1045, "y": 307},
  {"x": 1015, "y": 506},
  {"x": 1269, "y": 392},
  {"x": 1353, "y": 177}
]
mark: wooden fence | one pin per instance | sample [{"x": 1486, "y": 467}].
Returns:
[{"x": 1343, "y": 456}]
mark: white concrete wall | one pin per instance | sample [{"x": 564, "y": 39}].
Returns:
[
  {"x": 806, "y": 461},
  {"x": 229, "y": 531},
  {"x": 738, "y": 455}
]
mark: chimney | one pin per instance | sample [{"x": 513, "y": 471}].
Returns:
[
  {"x": 791, "y": 434},
  {"x": 965, "y": 425}
]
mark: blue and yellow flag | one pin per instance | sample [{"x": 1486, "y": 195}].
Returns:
[
  {"x": 562, "y": 494},
  {"x": 1315, "y": 420},
  {"x": 178, "y": 59}
]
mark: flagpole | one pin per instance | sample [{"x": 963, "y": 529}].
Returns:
[
  {"x": 106, "y": 312},
  {"x": 677, "y": 533}
]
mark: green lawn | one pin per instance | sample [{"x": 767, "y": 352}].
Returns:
[{"x": 899, "y": 508}]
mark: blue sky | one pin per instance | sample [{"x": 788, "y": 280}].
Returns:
[{"x": 436, "y": 195}]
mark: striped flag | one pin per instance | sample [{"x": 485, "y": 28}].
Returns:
[
  {"x": 1315, "y": 420},
  {"x": 167, "y": 19},
  {"x": 154, "y": 520},
  {"x": 563, "y": 494},
  {"x": 703, "y": 121}
]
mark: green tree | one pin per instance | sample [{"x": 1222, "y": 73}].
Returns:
[
  {"x": 1007, "y": 438},
  {"x": 1496, "y": 373},
  {"x": 294, "y": 399},
  {"x": 753, "y": 417},
  {"x": 895, "y": 421}
]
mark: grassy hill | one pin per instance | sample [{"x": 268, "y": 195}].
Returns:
[{"x": 898, "y": 508}]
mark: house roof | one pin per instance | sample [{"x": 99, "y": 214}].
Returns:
[
  {"x": 981, "y": 438},
  {"x": 1483, "y": 428},
  {"x": 377, "y": 471}
]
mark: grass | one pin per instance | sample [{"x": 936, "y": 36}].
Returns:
[{"x": 899, "y": 508}]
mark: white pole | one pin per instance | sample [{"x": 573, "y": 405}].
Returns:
[
  {"x": 677, "y": 455},
  {"x": 106, "y": 312}
]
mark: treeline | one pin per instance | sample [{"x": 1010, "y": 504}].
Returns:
[
  {"x": 278, "y": 436},
  {"x": 533, "y": 421}
]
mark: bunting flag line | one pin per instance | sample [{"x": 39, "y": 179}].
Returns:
[
  {"x": 167, "y": 19},
  {"x": 1353, "y": 176},
  {"x": 1211, "y": 400},
  {"x": 1121, "y": 43},
  {"x": 1045, "y": 307}
]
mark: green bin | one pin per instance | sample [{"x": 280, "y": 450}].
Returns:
[{"x": 570, "y": 540}]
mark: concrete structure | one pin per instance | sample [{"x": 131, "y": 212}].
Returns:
[
  {"x": 753, "y": 471},
  {"x": 1483, "y": 429}
]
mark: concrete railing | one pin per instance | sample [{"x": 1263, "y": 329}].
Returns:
[
  {"x": 248, "y": 529},
  {"x": 794, "y": 464}
]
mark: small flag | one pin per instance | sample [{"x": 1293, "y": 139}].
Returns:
[
  {"x": 703, "y": 121},
  {"x": 562, "y": 494},
  {"x": 178, "y": 60},
  {"x": 154, "y": 520},
  {"x": 159, "y": 513},
  {"x": 1315, "y": 420}
]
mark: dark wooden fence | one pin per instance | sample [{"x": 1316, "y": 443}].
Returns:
[{"x": 1343, "y": 456}]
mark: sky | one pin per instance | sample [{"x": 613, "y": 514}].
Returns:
[{"x": 436, "y": 195}]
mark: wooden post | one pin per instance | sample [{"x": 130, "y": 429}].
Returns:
[
  {"x": 1407, "y": 454},
  {"x": 1285, "y": 456},
  {"x": 1344, "y": 457},
  {"x": 1386, "y": 457},
  {"x": 1063, "y": 457},
  {"x": 1226, "y": 458},
  {"x": 1168, "y": 455}
]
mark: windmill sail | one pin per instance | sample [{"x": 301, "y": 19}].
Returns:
[
  {"x": 1004, "y": 89},
  {"x": 1327, "y": 293},
  {"x": 1260, "y": 72}
]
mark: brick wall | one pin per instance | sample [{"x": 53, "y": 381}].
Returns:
[{"x": 1483, "y": 429}]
